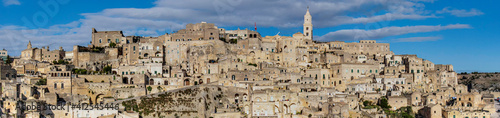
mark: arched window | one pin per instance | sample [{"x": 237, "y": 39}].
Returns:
[
  {"x": 62, "y": 85},
  {"x": 233, "y": 77},
  {"x": 100, "y": 40},
  {"x": 151, "y": 82},
  {"x": 55, "y": 85}
]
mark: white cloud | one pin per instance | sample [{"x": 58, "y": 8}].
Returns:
[
  {"x": 275, "y": 13},
  {"x": 359, "y": 34},
  {"x": 419, "y": 39},
  {"x": 11, "y": 2},
  {"x": 170, "y": 15},
  {"x": 379, "y": 18},
  {"x": 460, "y": 12}
]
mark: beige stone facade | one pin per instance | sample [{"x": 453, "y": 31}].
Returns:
[{"x": 207, "y": 71}]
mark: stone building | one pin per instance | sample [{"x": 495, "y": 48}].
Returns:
[
  {"x": 3, "y": 54},
  {"x": 206, "y": 71}
]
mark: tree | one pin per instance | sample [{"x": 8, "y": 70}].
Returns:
[
  {"x": 233, "y": 41},
  {"x": 112, "y": 44},
  {"x": 149, "y": 88},
  {"x": 60, "y": 61},
  {"x": 384, "y": 103},
  {"x": 367, "y": 103},
  {"x": 8, "y": 61},
  {"x": 159, "y": 88},
  {"x": 42, "y": 81},
  {"x": 107, "y": 69},
  {"x": 79, "y": 71}
]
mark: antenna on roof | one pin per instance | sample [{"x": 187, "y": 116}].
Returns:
[{"x": 255, "y": 26}]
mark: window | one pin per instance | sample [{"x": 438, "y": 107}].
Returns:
[
  {"x": 117, "y": 41},
  {"x": 100, "y": 40},
  {"x": 55, "y": 85},
  {"x": 109, "y": 40},
  {"x": 62, "y": 85}
]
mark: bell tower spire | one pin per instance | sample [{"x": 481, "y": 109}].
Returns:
[
  {"x": 29, "y": 45},
  {"x": 308, "y": 27}
]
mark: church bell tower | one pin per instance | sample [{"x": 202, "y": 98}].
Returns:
[{"x": 308, "y": 27}]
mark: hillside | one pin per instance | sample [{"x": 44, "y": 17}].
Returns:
[{"x": 481, "y": 81}]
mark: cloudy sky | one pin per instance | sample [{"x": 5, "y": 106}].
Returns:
[{"x": 464, "y": 33}]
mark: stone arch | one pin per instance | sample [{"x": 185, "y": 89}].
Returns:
[
  {"x": 125, "y": 80},
  {"x": 258, "y": 99},
  {"x": 236, "y": 97},
  {"x": 292, "y": 108},
  {"x": 286, "y": 108},
  {"x": 151, "y": 82},
  {"x": 276, "y": 109},
  {"x": 245, "y": 96},
  {"x": 157, "y": 53},
  {"x": 186, "y": 82},
  {"x": 146, "y": 54}
]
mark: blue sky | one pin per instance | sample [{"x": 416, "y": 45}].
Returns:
[{"x": 464, "y": 33}]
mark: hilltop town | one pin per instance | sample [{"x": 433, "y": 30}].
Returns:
[{"x": 204, "y": 71}]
